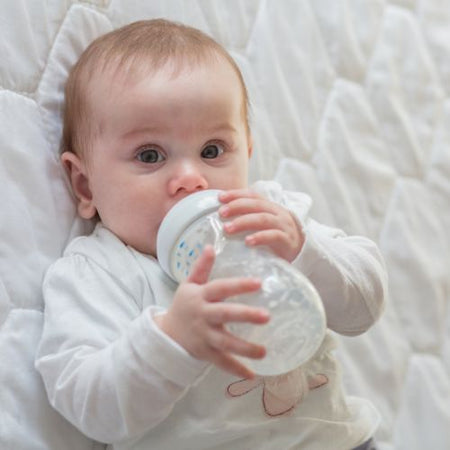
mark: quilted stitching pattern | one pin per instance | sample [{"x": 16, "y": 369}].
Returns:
[{"x": 349, "y": 103}]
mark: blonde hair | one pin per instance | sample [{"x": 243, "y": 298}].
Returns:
[{"x": 145, "y": 45}]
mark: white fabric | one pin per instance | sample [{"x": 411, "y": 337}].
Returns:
[
  {"x": 110, "y": 371},
  {"x": 350, "y": 104}
]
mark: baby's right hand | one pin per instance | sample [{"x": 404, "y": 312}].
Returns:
[{"x": 197, "y": 318}]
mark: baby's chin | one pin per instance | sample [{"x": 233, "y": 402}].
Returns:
[{"x": 146, "y": 248}]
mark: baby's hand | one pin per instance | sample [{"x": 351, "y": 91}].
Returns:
[
  {"x": 270, "y": 224},
  {"x": 197, "y": 317}
]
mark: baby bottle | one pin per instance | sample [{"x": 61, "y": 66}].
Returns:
[{"x": 297, "y": 319}]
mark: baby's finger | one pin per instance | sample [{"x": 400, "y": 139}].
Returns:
[
  {"x": 232, "y": 365},
  {"x": 220, "y": 289},
  {"x": 270, "y": 238},
  {"x": 250, "y": 222},
  {"x": 248, "y": 205},
  {"x": 202, "y": 267},
  {"x": 279, "y": 242},
  {"x": 224, "y": 342},
  {"x": 233, "y": 194},
  {"x": 221, "y": 313}
]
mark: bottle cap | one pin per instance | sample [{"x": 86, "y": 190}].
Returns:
[{"x": 179, "y": 217}]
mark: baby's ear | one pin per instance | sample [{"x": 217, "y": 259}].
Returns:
[
  {"x": 78, "y": 175},
  {"x": 250, "y": 145}
]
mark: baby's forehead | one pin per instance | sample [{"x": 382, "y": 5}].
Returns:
[
  {"x": 113, "y": 86},
  {"x": 117, "y": 77},
  {"x": 132, "y": 70}
]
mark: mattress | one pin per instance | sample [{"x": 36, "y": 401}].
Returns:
[{"x": 349, "y": 103}]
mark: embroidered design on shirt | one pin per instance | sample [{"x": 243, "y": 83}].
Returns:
[{"x": 281, "y": 394}]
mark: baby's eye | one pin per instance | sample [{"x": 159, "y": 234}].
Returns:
[
  {"x": 212, "y": 151},
  {"x": 150, "y": 156}
]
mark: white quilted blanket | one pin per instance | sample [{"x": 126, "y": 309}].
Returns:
[{"x": 350, "y": 103}]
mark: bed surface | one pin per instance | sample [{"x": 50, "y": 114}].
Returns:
[{"x": 350, "y": 103}]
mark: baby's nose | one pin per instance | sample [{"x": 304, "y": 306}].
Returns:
[{"x": 187, "y": 178}]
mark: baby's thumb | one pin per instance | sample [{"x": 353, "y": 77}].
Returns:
[{"x": 202, "y": 267}]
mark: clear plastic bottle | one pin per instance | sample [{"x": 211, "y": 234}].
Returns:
[{"x": 297, "y": 325}]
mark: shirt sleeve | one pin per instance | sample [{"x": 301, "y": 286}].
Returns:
[
  {"x": 348, "y": 271},
  {"x": 349, "y": 274},
  {"x": 105, "y": 364}
]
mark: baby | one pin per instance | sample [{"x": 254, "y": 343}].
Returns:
[{"x": 154, "y": 112}]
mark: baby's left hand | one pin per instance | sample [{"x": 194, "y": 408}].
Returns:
[{"x": 273, "y": 225}]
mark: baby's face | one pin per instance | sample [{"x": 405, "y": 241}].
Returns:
[{"x": 161, "y": 139}]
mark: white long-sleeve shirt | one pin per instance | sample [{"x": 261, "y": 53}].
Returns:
[{"x": 110, "y": 371}]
